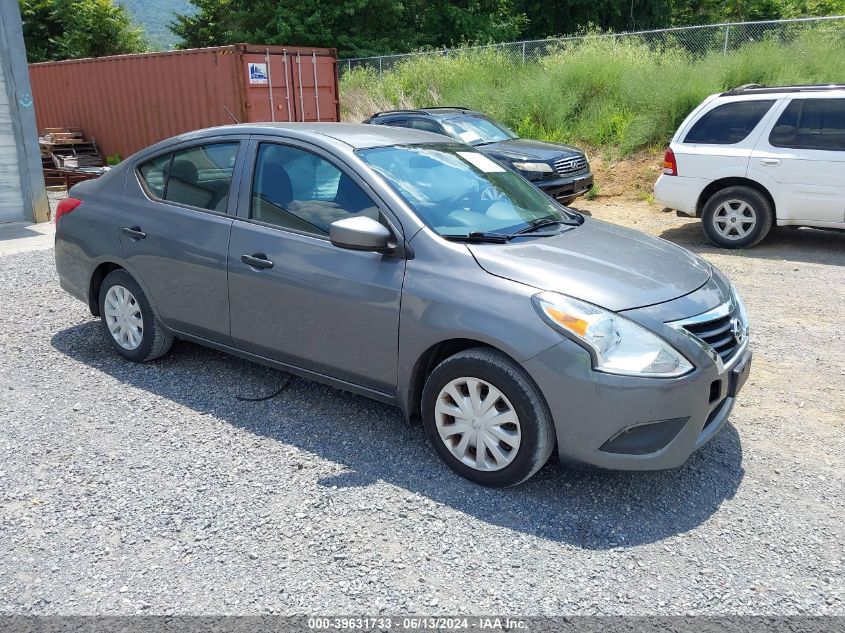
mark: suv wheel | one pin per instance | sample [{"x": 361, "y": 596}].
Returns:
[
  {"x": 737, "y": 217},
  {"x": 486, "y": 419},
  {"x": 128, "y": 320}
]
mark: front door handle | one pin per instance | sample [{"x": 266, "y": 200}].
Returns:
[
  {"x": 134, "y": 232},
  {"x": 770, "y": 162},
  {"x": 257, "y": 260}
]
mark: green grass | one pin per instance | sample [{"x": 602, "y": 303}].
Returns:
[{"x": 619, "y": 95}]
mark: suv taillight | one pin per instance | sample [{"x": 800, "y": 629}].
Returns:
[
  {"x": 670, "y": 165},
  {"x": 66, "y": 206}
]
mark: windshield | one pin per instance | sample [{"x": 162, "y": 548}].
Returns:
[
  {"x": 477, "y": 130},
  {"x": 458, "y": 191}
]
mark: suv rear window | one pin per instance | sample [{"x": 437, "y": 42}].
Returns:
[
  {"x": 811, "y": 124},
  {"x": 728, "y": 123}
]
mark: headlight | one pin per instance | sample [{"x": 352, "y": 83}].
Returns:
[
  {"x": 539, "y": 167},
  {"x": 743, "y": 315},
  {"x": 618, "y": 345}
]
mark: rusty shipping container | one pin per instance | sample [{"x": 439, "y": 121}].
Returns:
[{"x": 128, "y": 102}]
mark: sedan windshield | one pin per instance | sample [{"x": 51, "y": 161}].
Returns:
[
  {"x": 458, "y": 191},
  {"x": 477, "y": 130}
]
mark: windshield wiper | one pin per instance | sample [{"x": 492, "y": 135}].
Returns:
[
  {"x": 541, "y": 224},
  {"x": 479, "y": 237}
]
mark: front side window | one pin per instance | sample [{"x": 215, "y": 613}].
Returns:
[
  {"x": 477, "y": 130},
  {"x": 729, "y": 123},
  {"x": 811, "y": 124},
  {"x": 296, "y": 189},
  {"x": 458, "y": 191}
]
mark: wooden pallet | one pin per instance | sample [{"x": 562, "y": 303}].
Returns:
[{"x": 68, "y": 148}]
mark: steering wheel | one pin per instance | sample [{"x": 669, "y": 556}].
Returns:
[{"x": 491, "y": 194}]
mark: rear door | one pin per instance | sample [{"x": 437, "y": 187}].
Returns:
[
  {"x": 174, "y": 233},
  {"x": 295, "y": 297},
  {"x": 802, "y": 160}
]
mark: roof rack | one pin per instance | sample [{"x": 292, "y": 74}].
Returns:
[
  {"x": 418, "y": 110},
  {"x": 759, "y": 89},
  {"x": 383, "y": 112}
]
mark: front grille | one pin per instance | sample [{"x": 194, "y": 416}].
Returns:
[
  {"x": 571, "y": 165},
  {"x": 719, "y": 333}
]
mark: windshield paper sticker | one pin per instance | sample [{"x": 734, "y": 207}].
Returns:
[
  {"x": 257, "y": 73},
  {"x": 469, "y": 136},
  {"x": 480, "y": 161}
]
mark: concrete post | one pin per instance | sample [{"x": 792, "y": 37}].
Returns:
[{"x": 13, "y": 64}]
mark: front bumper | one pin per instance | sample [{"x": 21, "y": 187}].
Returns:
[
  {"x": 632, "y": 423},
  {"x": 568, "y": 187}
]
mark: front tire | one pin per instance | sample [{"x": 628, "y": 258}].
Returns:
[
  {"x": 486, "y": 419},
  {"x": 737, "y": 217},
  {"x": 128, "y": 321}
]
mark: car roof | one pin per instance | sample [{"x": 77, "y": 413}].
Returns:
[{"x": 355, "y": 135}]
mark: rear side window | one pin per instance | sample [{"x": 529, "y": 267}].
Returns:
[
  {"x": 201, "y": 176},
  {"x": 198, "y": 177},
  {"x": 811, "y": 124},
  {"x": 728, "y": 123},
  {"x": 154, "y": 173},
  {"x": 425, "y": 126}
]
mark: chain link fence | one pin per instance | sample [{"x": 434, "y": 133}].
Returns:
[{"x": 697, "y": 40}]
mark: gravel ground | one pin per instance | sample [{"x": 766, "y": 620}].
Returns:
[{"x": 153, "y": 489}]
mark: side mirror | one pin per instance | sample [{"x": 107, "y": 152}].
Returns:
[{"x": 359, "y": 234}]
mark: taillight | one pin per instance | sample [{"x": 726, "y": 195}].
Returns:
[
  {"x": 670, "y": 165},
  {"x": 66, "y": 206}
]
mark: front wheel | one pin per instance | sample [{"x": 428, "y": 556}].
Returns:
[
  {"x": 486, "y": 418},
  {"x": 737, "y": 217},
  {"x": 128, "y": 321}
]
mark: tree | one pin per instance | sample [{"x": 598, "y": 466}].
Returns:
[
  {"x": 210, "y": 25},
  {"x": 355, "y": 27},
  {"x": 70, "y": 29}
]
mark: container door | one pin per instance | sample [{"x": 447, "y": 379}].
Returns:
[
  {"x": 314, "y": 86},
  {"x": 267, "y": 83}
]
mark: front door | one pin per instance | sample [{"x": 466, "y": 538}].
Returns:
[
  {"x": 805, "y": 155},
  {"x": 174, "y": 233},
  {"x": 296, "y": 298}
]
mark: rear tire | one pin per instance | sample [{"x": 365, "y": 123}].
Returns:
[
  {"x": 737, "y": 217},
  {"x": 496, "y": 406},
  {"x": 128, "y": 321}
]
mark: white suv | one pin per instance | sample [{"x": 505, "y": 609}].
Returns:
[{"x": 755, "y": 156}]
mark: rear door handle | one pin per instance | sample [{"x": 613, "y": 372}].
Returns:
[
  {"x": 770, "y": 162},
  {"x": 257, "y": 260},
  {"x": 134, "y": 232}
]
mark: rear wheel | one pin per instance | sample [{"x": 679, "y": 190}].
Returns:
[
  {"x": 737, "y": 217},
  {"x": 128, "y": 320},
  {"x": 486, "y": 418}
]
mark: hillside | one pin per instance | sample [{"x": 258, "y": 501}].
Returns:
[{"x": 154, "y": 16}]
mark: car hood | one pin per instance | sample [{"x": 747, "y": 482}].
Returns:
[
  {"x": 522, "y": 148},
  {"x": 604, "y": 264}
]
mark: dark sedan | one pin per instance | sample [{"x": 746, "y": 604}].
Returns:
[{"x": 561, "y": 171}]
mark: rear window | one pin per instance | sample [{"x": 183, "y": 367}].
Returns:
[
  {"x": 811, "y": 124},
  {"x": 728, "y": 123}
]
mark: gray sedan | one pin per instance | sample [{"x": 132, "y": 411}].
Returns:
[{"x": 415, "y": 270}]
